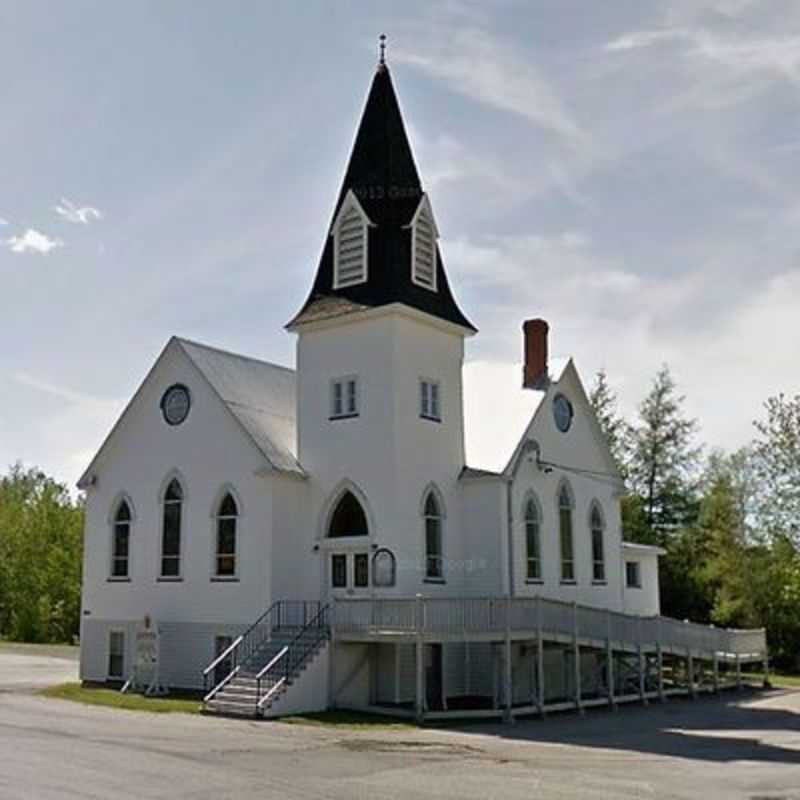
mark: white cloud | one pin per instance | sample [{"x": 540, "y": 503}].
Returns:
[
  {"x": 640, "y": 39},
  {"x": 79, "y": 215},
  {"x": 492, "y": 72},
  {"x": 33, "y": 241},
  {"x": 3, "y": 221}
]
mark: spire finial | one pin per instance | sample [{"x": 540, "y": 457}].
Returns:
[{"x": 382, "y": 46}]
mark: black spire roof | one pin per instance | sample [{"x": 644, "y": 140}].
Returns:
[{"x": 383, "y": 176}]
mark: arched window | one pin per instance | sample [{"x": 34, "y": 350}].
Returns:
[
  {"x": 348, "y": 518},
  {"x": 434, "y": 566},
  {"x": 532, "y": 543},
  {"x": 121, "y": 542},
  {"x": 565, "y": 507},
  {"x": 597, "y": 526},
  {"x": 171, "y": 533},
  {"x": 225, "y": 557}
]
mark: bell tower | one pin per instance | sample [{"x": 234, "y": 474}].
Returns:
[{"x": 380, "y": 346}]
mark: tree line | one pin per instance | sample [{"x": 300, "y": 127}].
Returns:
[
  {"x": 41, "y": 545},
  {"x": 729, "y": 521}
]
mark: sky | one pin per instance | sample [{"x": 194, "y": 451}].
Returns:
[{"x": 627, "y": 170}]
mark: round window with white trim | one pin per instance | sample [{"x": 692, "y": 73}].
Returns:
[
  {"x": 562, "y": 412},
  {"x": 175, "y": 404}
]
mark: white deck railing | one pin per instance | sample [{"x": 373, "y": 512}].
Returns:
[{"x": 432, "y": 616}]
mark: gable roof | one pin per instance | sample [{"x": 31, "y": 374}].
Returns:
[
  {"x": 260, "y": 396},
  {"x": 498, "y": 411},
  {"x": 382, "y": 174}
]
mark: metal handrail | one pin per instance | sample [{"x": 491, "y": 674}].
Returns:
[
  {"x": 274, "y": 690},
  {"x": 272, "y": 663},
  {"x": 224, "y": 654},
  {"x": 292, "y": 660},
  {"x": 224, "y": 682}
]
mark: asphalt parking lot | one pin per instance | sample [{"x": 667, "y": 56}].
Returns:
[{"x": 735, "y": 746}]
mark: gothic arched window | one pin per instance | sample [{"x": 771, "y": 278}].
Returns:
[
  {"x": 532, "y": 540},
  {"x": 597, "y": 526},
  {"x": 121, "y": 542},
  {"x": 565, "y": 508},
  {"x": 434, "y": 562},
  {"x": 227, "y": 521},
  {"x": 348, "y": 518},
  {"x": 171, "y": 530}
]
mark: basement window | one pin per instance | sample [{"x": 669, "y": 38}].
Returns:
[{"x": 116, "y": 655}]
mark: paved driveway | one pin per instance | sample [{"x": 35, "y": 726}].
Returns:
[
  {"x": 745, "y": 746},
  {"x": 32, "y": 666}
]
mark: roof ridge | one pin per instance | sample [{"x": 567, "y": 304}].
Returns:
[{"x": 225, "y": 352}]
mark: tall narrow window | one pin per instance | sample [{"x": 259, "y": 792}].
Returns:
[
  {"x": 227, "y": 519},
  {"x": 171, "y": 535},
  {"x": 565, "y": 534},
  {"x": 598, "y": 550},
  {"x": 350, "y": 244},
  {"x": 434, "y": 567},
  {"x": 532, "y": 540},
  {"x": 423, "y": 270},
  {"x": 121, "y": 542},
  {"x": 116, "y": 655}
]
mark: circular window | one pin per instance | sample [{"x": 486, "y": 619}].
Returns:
[
  {"x": 175, "y": 404},
  {"x": 562, "y": 412}
]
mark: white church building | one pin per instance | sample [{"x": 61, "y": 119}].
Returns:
[{"x": 386, "y": 525}]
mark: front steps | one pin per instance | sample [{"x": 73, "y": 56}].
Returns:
[{"x": 239, "y": 697}]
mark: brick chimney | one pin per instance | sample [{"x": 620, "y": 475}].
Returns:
[{"x": 534, "y": 374}]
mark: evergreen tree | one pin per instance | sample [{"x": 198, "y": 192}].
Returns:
[
  {"x": 726, "y": 573},
  {"x": 777, "y": 468},
  {"x": 664, "y": 459},
  {"x": 616, "y": 430}
]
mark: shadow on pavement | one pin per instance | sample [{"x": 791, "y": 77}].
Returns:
[{"x": 721, "y": 729}]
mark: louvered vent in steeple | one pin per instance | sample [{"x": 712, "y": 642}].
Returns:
[
  {"x": 350, "y": 245},
  {"x": 424, "y": 249}
]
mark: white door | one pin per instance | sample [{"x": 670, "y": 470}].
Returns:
[{"x": 348, "y": 573}]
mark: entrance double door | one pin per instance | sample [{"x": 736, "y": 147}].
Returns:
[{"x": 348, "y": 573}]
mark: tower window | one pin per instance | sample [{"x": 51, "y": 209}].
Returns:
[
  {"x": 423, "y": 247},
  {"x": 344, "y": 398},
  {"x": 430, "y": 406},
  {"x": 350, "y": 245}
]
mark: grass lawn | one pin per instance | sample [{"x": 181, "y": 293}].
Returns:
[
  {"x": 783, "y": 681},
  {"x": 777, "y": 679},
  {"x": 349, "y": 719},
  {"x": 115, "y": 699}
]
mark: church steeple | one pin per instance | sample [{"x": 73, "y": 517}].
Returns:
[{"x": 382, "y": 237}]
